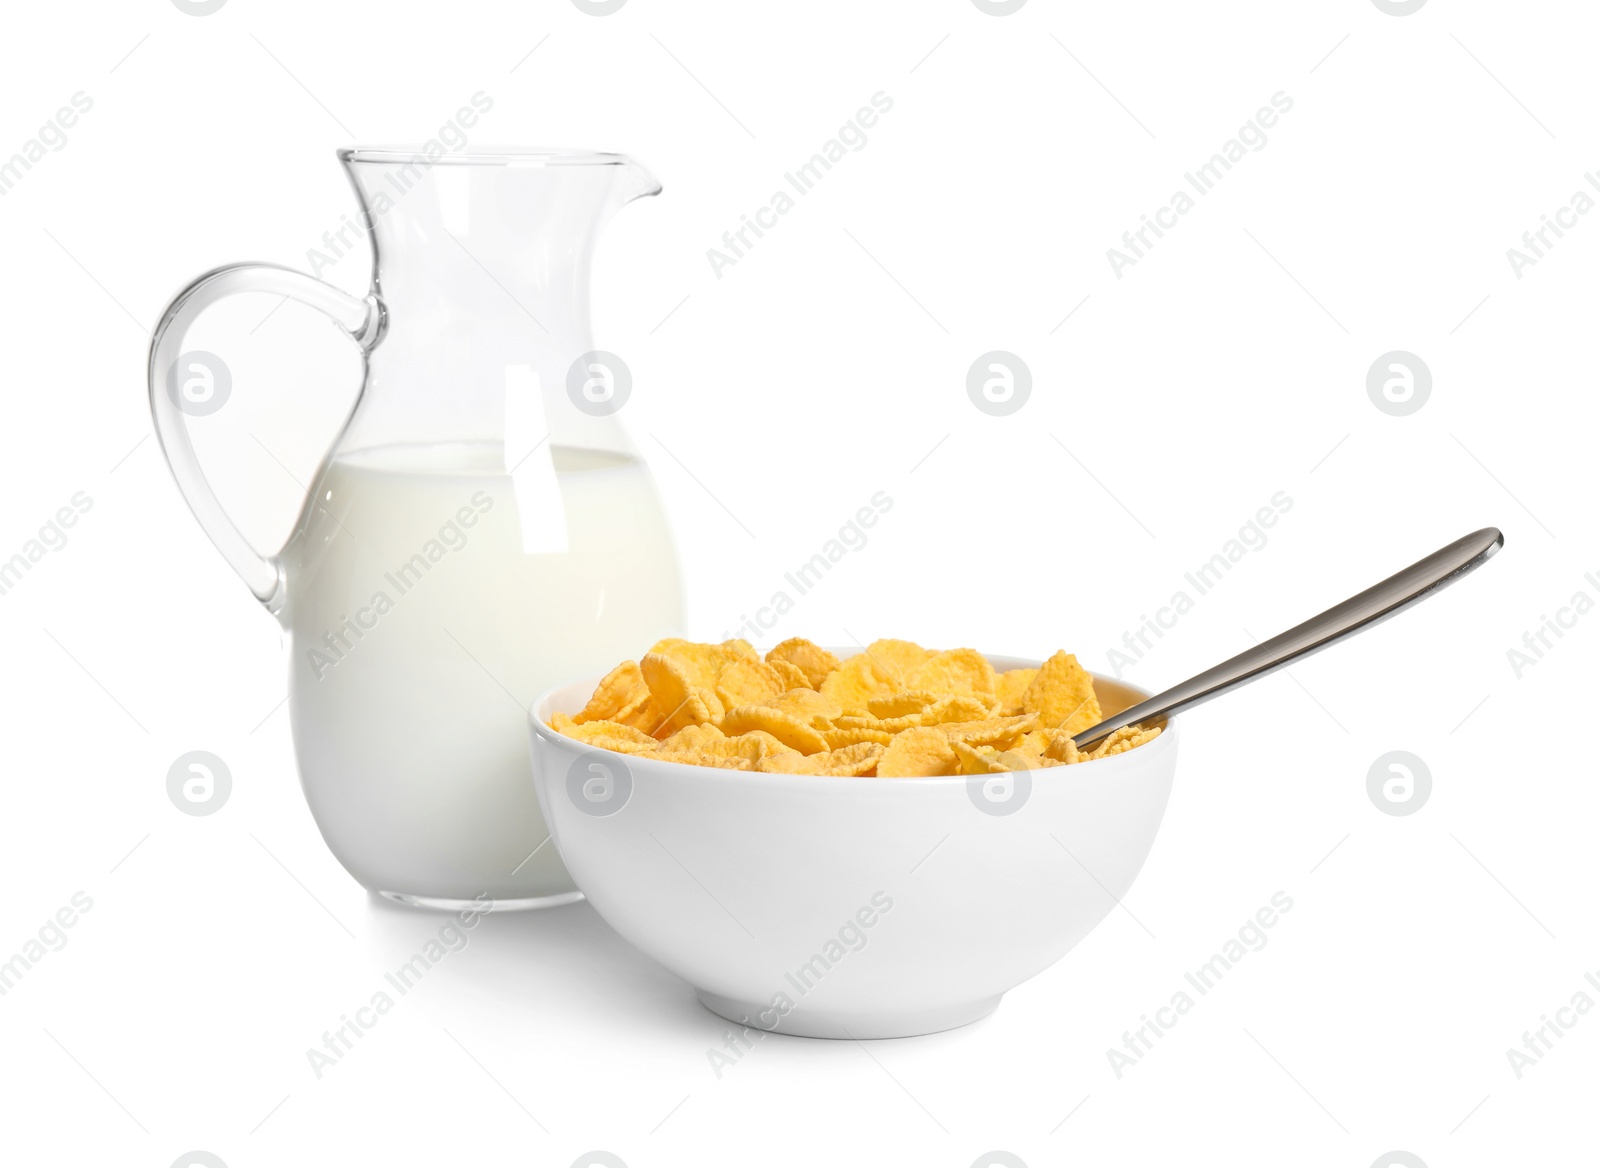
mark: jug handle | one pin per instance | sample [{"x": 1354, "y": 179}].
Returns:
[{"x": 360, "y": 319}]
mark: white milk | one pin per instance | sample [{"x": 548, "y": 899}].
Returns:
[{"x": 421, "y": 631}]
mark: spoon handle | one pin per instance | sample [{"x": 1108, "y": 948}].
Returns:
[{"x": 1382, "y": 600}]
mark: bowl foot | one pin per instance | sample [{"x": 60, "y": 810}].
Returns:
[
  {"x": 841, "y": 1024},
  {"x": 451, "y": 904}
]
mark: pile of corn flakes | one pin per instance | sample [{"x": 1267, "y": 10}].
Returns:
[{"x": 895, "y": 711}]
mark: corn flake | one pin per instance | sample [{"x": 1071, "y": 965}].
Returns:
[
  {"x": 868, "y": 722},
  {"x": 838, "y": 738},
  {"x": 641, "y": 714},
  {"x": 696, "y": 737},
  {"x": 786, "y": 728},
  {"x": 1033, "y": 743},
  {"x": 917, "y": 753},
  {"x": 792, "y": 676},
  {"x": 847, "y": 762},
  {"x": 756, "y": 745},
  {"x": 955, "y": 709},
  {"x": 809, "y": 706},
  {"x": 954, "y": 671},
  {"x": 896, "y": 705},
  {"x": 1061, "y": 748},
  {"x": 606, "y": 735},
  {"x": 856, "y": 681},
  {"x": 812, "y": 660},
  {"x": 1063, "y": 696},
  {"x": 749, "y": 681},
  {"x": 1000, "y": 732},
  {"x": 898, "y": 659},
  {"x": 617, "y": 692},
  {"x": 703, "y": 663},
  {"x": 672, "y": 692},
  {"x": 976, "y": 760},
  {"x": 1009, "y": 688},
  {"x": 1124, "y": 739}
]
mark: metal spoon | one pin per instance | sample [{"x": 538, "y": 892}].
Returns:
[{"x": 1381, "y": 601}]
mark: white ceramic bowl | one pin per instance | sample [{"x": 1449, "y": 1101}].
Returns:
[{"x": 850, "y": 908}]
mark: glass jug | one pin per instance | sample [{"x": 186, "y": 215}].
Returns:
[{"x": 480, "y": 531}]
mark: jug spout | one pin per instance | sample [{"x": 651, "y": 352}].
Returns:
[
  {"x": 481, "y": 262},
  {"x": 639, "y": 183},
  {"x": 629, "y": 180}
]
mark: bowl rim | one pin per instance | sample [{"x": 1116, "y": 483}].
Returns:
[{"x": 1166, "y": 741}]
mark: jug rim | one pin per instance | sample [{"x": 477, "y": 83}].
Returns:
[{"x": 482, "y": 156}]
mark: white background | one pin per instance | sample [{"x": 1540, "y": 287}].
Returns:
[{"x": 830, "y": 363}]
